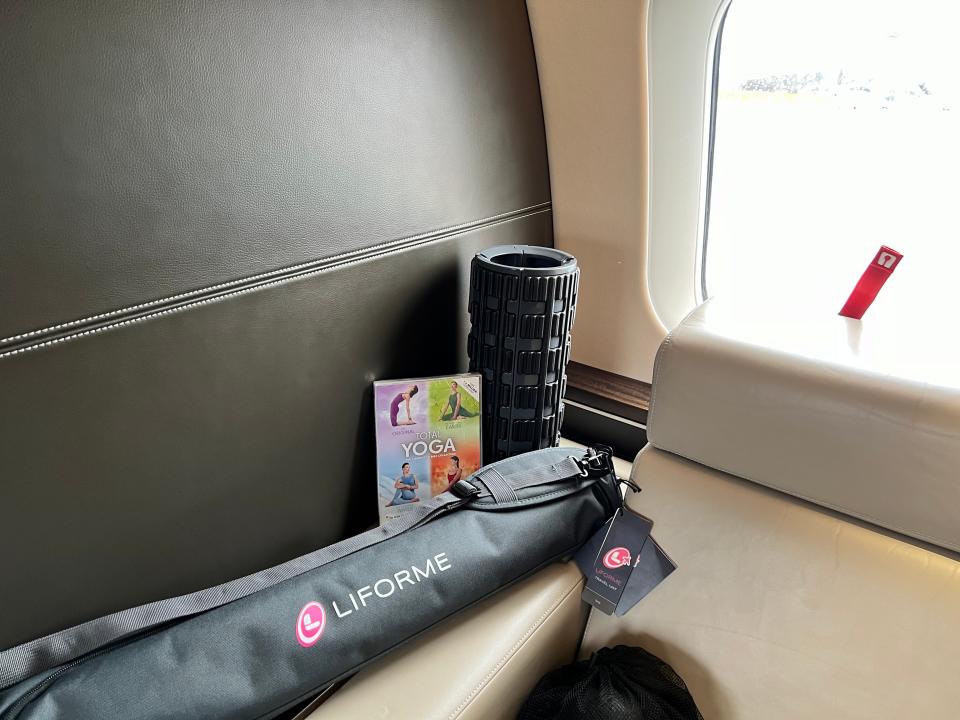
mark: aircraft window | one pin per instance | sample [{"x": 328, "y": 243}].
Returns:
[{"x": 837, "y": 130}]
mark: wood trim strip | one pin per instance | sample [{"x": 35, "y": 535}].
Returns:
[{"x": 608, "y": 391}]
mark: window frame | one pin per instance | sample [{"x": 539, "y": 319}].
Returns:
[
  {"x": 682, "y": 40},
  {"x": 711, "y": 146}
]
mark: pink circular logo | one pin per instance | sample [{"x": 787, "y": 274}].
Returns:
[
  {"x": 310, "y": 624},
  {"x": 617, "y": 557}
]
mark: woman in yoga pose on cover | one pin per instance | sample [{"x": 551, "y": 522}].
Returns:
[
  {"x": 454, "y": 472},
  {"x": 454, "y": 403},
  {"x": 404, "y": 398},
  {"x": 406, "y": 487}
]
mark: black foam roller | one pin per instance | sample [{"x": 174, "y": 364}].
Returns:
[{"x": 522, "y": 303}]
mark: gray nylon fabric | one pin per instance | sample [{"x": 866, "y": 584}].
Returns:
[
  {"x": 244, "y": 659},
  {"x": 24, "y": 660},
  {"x": 565, "y": 468},
  {"x": 502, "y": 485}
]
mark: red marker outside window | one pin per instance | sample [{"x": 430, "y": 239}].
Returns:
[{"x": 870, "y": 282}]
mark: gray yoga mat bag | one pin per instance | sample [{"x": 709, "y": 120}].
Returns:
[{"x": 256, "y": 646}]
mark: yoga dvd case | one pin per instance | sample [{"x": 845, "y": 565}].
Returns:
[{"x": 428, "y": 437}]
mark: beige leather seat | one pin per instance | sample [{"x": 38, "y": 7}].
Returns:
[
  {"x": 782, "y": 607},
  {"x": 780, "y": 610}
]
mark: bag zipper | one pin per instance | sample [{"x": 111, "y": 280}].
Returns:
[{"x": 14, "y": 710}]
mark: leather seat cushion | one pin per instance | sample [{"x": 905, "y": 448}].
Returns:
[
  {"x": 780, "y": 609},
  {"x": 480, "y": 664}
]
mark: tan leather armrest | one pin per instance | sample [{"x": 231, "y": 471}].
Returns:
[
  {"x": 825, "y": 408},
  {"x": 480, "y": 664}
]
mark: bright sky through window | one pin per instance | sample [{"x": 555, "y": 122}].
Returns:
[{"x": 838, "y": 130}]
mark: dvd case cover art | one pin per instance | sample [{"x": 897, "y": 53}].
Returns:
[{"x": 428, "y": 437}]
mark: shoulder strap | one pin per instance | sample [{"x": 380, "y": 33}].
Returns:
[{"x": 22, "y": 661}]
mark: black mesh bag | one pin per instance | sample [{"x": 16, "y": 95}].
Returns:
[{"x": 616, "y": 683}]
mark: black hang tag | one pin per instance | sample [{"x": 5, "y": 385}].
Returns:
[
  {"x": 609, "y": 564},
  {"x": 649, "y": 570},
  {"x": 588, "y": 552}
]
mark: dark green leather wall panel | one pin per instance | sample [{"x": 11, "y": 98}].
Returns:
[
  {"x": 265, "y": 206},
  {"x": 154, "y": 148}
]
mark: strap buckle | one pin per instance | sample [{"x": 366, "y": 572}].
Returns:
[
  {"x": 596, "y": 462},
  {"x": 464, "y": 490}
]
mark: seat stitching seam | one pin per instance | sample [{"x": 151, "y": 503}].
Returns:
[
  {"x": 253, "y": 278},
  {"x": 246, "y": 290}
]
